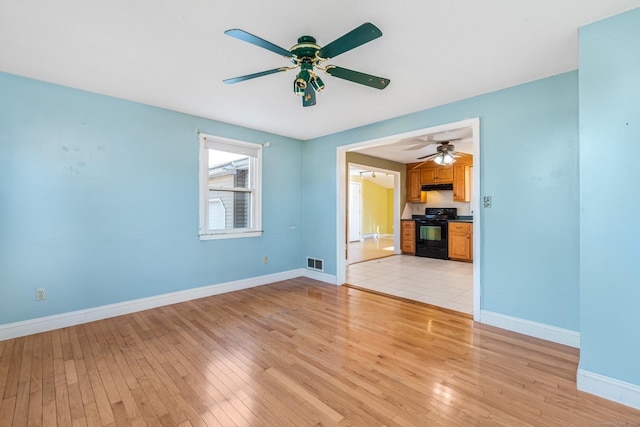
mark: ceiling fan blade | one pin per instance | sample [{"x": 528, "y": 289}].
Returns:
[
  {"x": 254, "y": 75},
  {"x": 354, "y": 38},
  {"x": 358, "y": 77},
  {"x": 415, "y": 147},
  {"x": 250, "y": 38},
  {"x": 429, "y": 156},
  {"x": 309, "y": 97}
]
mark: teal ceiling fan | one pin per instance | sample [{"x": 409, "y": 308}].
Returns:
[{"x": 307, "y": 56}]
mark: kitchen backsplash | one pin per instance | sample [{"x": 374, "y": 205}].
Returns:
[{"x": 440, "y": 199}]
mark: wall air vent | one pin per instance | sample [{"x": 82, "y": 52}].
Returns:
[{"x": 315, "y": 264}]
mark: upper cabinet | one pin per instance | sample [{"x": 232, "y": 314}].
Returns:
[
  {"x": 434, "y": 174},
  {"x": 414, "y": 186},
  {"x": 462, "y": 175},
  {"x": 459, "y": 174}
]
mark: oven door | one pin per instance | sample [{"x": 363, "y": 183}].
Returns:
[{"x": 431, "y": 239}]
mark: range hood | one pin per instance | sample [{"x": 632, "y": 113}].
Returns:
[{"x": 437, "y": 187}]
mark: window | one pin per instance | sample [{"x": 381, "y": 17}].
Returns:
[{"x": 230, "y": 188}]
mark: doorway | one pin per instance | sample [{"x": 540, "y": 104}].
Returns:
[
  {"x": 342, "y": 261},
  {"x": 355, "y": 212},
  {"x": 370, "y": 213}
]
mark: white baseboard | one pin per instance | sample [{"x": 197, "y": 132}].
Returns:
[
  {"x": 317, "y": 275},
  {"x": 49, "y": 323},
  {"x": 609, "y": 388},
  {"x": 534, "y": 329}
]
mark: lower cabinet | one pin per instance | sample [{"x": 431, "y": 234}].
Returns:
[
  {"x": 461, "y": 241},
  {"x": 408, "y": 237}
]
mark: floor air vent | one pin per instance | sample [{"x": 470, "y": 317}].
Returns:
[{"x": 315, "y": 264}]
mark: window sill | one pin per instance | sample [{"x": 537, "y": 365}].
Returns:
[{"x": 230, "y": 235}]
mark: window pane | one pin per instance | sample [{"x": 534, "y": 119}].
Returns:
[
  {"x": 230, "y": 188},
  {"x": 234, "y": 206},
  {"x": 228, "y": 170},
  {"x": 216, "y": 214}
]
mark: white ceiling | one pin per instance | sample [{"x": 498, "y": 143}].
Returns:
[
  {"x": 409, "y": 150},
  {"x": 174, "y": 53}
]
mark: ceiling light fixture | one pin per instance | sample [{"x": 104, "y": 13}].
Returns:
[
  {"x": 444, "y": 155},
  {"x": 316, "y": 83},
  {"x": 299, "y": 85},
  {"x": 444, "y": 158}
]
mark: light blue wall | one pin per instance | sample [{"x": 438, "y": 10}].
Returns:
[
  {"x": 99, "y": 202},
  {"x": 609, "y": 201},
  {"x": 118, "y": 182},
  {"x": 529, "y": 155}
]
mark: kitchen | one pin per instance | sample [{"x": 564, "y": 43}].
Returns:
[{"x": 436, "y": 227}]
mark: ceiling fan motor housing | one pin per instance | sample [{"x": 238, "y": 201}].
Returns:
[
  {"x": 445, "y": 148},
  {"x": 305, "y": 49}
]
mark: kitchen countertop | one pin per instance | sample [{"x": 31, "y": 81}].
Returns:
[{"x": 463, "y": 218}]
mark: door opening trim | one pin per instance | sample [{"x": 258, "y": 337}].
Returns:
[{"x": 341, "y": 192}]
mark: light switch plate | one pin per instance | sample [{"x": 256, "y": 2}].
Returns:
[{"x": 486, "y": 201}]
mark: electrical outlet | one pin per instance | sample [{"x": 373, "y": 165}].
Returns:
[
  {"x": 41, "y": 294},
  {"x": 486, "y": 201},
  {"x": 265, "y": 260}
]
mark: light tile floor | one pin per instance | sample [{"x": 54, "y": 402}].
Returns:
[{"x": 447, "y": 284}]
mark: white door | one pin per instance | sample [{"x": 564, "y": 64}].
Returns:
[{"x": 355, "y": 211}]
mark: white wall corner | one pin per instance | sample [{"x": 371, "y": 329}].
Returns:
[
  {"x": 609, "y": 388},
  {"x": 534, "y": 329},
  {"x": 49, "y": 323}
]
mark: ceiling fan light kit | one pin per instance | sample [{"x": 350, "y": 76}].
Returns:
[
  {"x": 444, "y": 155},
  {"x": 307, "y": 56},
  {"x": 444, "y": 159}
]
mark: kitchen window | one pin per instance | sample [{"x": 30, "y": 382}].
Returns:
[{"x": 230, "y": 188}]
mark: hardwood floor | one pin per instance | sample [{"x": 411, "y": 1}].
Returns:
[
  {"x": 368, "y": 249},
  {"x": 294, "y": 353}
]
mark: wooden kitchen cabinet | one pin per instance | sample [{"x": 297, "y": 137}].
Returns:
[
  {"x": 437, "y": 175},
  {"x": 459, "y": 174},
  {"x": 461, "y": 182},
  {"x": 408, "y": 237},
  {"x": 414, "y": 186},
  {"x": 461, "y": 241}
]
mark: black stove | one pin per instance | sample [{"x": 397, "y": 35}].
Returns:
[
  {"x": 440, "y": 214},
  {"x": 431, "y": 232}
]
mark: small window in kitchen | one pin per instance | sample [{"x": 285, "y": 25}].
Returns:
[{"x": 230, "y": 188}]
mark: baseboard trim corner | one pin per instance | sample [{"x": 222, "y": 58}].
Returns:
[
  {"x": 609, "y": 388},
  {"x": 534, "y": 329}
]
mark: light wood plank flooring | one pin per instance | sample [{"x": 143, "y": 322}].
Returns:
[
  {"x": 294, "y": 353},
  {"x": 368, "y": 249}
]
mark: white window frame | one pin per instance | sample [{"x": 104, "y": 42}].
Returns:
[{"x": 255, "y": 188}]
